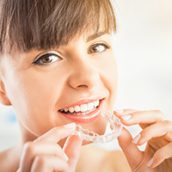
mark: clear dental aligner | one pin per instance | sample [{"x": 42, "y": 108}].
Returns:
[{"x": 114, "y": 125}]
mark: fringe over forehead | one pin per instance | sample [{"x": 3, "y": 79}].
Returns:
[{"x": 44, "y": 24}]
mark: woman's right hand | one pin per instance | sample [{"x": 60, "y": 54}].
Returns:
[{"x": 45, "y": 154}]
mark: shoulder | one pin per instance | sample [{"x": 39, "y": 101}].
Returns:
[{"x": 9, "y": 160}]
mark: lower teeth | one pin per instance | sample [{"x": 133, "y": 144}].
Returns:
[{"x": 75, "y": 113}]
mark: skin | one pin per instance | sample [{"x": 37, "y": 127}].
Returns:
[
  {"x": 37, "y": 92},
  {"x": 77, "y": 73},
  {"x": 156, "y": 132}
]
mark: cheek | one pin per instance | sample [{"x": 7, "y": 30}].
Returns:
[
  {"x": 107, "y": 64},
  {"x": 34, "y": 98},
  {"x": 110, "y": 77}
]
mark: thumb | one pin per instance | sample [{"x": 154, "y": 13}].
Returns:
[
  {"x": 72, "y": 149},
  {"x": 132, "y": 153}
]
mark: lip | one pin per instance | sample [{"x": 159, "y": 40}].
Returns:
[
  {"x": 85, "y": 101},
  {"x": 84, "y": 117}
]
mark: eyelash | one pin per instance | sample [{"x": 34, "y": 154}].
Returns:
[
  {"x": 39, "y": 60},
  {"x": 92, "y": 49},
  {"x": 96, "y": 45}
]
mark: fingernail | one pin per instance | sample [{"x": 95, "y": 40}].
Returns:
[
  {"x": 126, "y": 117},
  {"x": 70, "y": 126},
  {"x": 66, "y": 157},
  {"x": 136, "y": 139},
  {"x": 150, "y": 162}
]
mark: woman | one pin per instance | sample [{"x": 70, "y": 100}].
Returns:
[{"x": 57, "y": 70}]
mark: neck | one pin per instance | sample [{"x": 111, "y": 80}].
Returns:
[{"x": 26, "y": 135}]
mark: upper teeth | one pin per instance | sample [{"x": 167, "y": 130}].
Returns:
[{"x": 82, "y": 108}]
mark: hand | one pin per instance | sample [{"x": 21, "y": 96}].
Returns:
[
  {"x": 45, "y": 154},
  {"x": 156, "y": 132}
]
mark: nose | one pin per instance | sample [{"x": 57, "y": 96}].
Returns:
[{"x": 84, "y": 76}]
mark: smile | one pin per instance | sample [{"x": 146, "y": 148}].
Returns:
[
  {"x": 83, "y": 112},
  {"x": 81, "y": 108}
]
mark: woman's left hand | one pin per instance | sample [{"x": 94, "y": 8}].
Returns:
[{"x": 156, "y": 132}]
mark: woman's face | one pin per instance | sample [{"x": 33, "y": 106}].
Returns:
[{"x": 79, "y": 78}]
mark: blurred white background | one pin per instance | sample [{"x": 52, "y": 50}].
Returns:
[
  {"x": 144, "y": 57},
  {"x": 144, "y": 54}
]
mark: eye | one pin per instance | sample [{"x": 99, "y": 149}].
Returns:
[
  {"x": 47, "y": 59},
  {"x": 98, "y": 48}
]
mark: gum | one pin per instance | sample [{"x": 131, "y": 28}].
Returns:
[{"x": 112, "y": 122}]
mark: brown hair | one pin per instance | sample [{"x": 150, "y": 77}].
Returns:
[{"x": 44, "y": 24}]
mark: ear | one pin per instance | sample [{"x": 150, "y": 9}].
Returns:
[{"x": 3, "y": 95}]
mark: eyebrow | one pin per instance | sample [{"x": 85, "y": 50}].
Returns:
[{"x": 95, "y": 35}]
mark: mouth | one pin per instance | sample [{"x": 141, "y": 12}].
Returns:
[{"x": 83, "y": 111}]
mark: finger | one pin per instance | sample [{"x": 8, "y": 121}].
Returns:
[
  {"x": 168, "y": 136},
  {"x": 155, "y": 130},
  {"x": 161, "y": 155},
  {"x": 72, "y": 149},
  {"x": 48, "y": 164},
  {"x": 31, "y": 150},
  {"x": 56, "y": 134},
  {"x": 141, "y": 117},
  {"x": 124, "y": 111},
  {"x": 132, "y": 153}
]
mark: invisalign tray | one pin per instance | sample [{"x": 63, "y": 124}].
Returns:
[{"x": 112, "y": 122}]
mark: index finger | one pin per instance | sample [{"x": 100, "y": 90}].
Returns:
[{"x": 57, "y": 133}]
